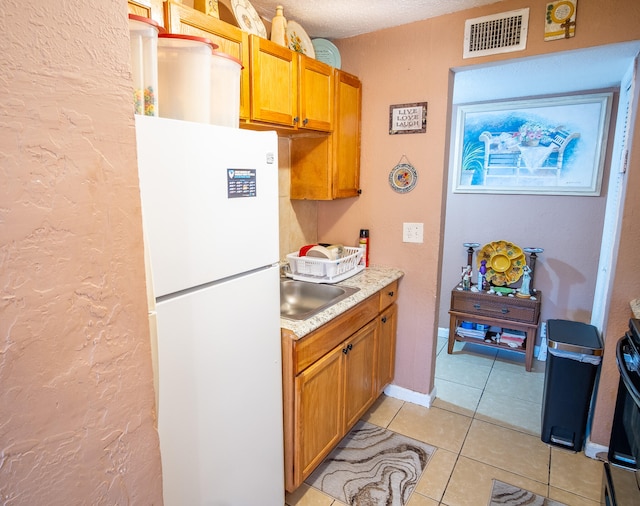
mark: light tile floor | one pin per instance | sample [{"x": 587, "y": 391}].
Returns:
[{"x": 485, "y": 424}]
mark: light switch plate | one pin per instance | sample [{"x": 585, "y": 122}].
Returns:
[{"x": 413, "y": 232}]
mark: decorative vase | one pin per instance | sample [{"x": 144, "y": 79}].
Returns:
[
  {"x": 531, "y": 143},
  {"x": 279, "y": 27}
]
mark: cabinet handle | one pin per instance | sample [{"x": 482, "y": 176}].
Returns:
[
  {"x": 359, "y": 191},
  {"x": 350, "y": 347},
  {"x": 347, "y": 348},
  {"x": 384, "y": 319},
  {"x": 505, "y": 310},
  {"x": 296, "y": 119},
  {"x": 305, "y": 121},
  {"x": 476, "y": 306},
  {"x": 390, "y": 293}
]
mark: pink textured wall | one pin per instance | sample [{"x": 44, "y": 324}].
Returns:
[
  {"x": 410, "y": 64},
  {"x": 76, "y": 396}
]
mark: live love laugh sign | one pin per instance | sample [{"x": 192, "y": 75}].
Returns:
[{"x": 408, "y": 118}]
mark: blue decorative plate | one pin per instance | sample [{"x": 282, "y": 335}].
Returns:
[{"x": 327, "y": 52}]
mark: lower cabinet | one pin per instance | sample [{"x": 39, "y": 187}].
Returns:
[
  {"x": 331, "y": 395},
  {"x": 387, "y": 324},
  {"x": 331, "y": 377}
]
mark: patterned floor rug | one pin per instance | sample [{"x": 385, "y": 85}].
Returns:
[
  {"x": 504, "y": 494},
  {"x": 372, "y": 466}
]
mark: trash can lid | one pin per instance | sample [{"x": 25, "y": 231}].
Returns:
[{"x": 573, "y": 336}]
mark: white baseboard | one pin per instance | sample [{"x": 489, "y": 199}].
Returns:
[
  {"x": 595, "y": 451},
  {"x": 404, "y": 394}
]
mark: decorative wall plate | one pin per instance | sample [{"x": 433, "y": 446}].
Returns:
[
  {"x": 298, "y": 40},
  {"x": 505, "y": 262},
  {"x": 327, "y": 52},
  {"x": 247, "y": 18},
  {"x": 403, "y": 177}
]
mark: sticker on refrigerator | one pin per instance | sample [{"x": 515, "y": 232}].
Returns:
[{"x": 241, "y": 183}]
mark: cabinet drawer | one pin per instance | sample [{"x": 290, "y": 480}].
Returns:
[
  {"x": 494, "y": 306},
  {"x": 388, "y": 295}
]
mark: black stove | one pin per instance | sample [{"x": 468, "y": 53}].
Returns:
[{"x": 621, "y": 474}]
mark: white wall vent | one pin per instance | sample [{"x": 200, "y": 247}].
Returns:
[{"x": 498, "y": 33}]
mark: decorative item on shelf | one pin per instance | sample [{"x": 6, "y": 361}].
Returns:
[
  {"x": 327, "y": 52},
  {"x": 247, "y": 18},
  {"x": 403, "y": 177},
  {"x": 209, "y": 7},
  {"x": 525, "y": 288},
  {"x": 298, "y": 40},
  {"x": 504, "y": 262},
  {"x": 466, "y": 278},
  {"x": 279, "y": 27},
  {"x": 471, "y": 246},
  {"x": 482, "y": 271},
  {"x": 533, "y": 256}
]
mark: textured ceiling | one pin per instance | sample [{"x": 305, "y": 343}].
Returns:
[{"x": 337, "y": 19}]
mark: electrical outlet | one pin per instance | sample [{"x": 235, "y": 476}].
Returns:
[{"x": 413, "y": 232}]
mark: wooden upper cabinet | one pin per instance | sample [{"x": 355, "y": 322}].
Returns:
[
  {"x": 151, "y": 9},
  {"x": 231, "y": 40},
  {"x": 315, "y": 94},
  {"x": 346, "y": 147},
  {"x": 274, "y": 79},
  {"x": 327, "y": 167},
  {"x": 289, "y": 89}
]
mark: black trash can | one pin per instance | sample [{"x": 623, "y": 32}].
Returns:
[{"x": 574, "y": 356}]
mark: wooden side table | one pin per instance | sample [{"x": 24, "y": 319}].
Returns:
[{"x": 496, "y": 310}]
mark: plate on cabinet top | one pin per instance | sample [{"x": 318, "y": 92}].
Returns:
[
  {"x": 327, "y": 52},
  {"x": 298, "y": 40},
  {"x": 247, "y": 18},
  {"x": 504, "y": 261}
]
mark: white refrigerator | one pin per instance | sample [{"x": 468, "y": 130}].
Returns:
[{"x": 210, "y": 213}]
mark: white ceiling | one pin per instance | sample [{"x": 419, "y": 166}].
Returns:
[{"x": 338, "y": 19}]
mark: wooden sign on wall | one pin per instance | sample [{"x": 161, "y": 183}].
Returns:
[{"x": 408, "y": 118}]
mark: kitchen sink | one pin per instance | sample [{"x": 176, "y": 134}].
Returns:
[{"x": 300, "y": 300}]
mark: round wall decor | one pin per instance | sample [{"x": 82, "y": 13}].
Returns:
[{"x": 403, "y": 177}]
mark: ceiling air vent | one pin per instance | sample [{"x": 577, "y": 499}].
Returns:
[{"x": 498, "y": 33}]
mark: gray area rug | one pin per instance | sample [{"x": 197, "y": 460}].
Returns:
[
  {"x": 504, "y": 494},
  {"x": 372, "y": 466}
]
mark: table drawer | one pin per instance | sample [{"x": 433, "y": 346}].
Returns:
[{"x": 505, "y": 308}]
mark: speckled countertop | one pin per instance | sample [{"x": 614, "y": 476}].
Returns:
[
  {"x": 370, "y": 280},
  {"x": 635, "y": 308}
]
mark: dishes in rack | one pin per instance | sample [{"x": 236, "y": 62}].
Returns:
[{"x": 504, "y": 260}]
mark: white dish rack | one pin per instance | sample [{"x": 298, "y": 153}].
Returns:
[{"x": 322, "y": 270}]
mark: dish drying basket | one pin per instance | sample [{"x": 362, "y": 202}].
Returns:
[{"x": 323, "y": 270}]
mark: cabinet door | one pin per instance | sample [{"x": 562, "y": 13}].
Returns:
[
  {"x": 387, "y": 325},
  {"x": 274, "y": 83},
  {"x": 346, "y": 128},
  {"x": 151, "y": 9},
  {"x": 318, "y": 408},
  {"x": 359, "y": 387},
  {"x": 316, "y": 94}
]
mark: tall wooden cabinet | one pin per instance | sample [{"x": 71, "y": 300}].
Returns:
[{"x": 327, "y": 167}]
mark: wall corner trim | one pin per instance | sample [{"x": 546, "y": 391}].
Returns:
[{"x": 404, "y": 394}]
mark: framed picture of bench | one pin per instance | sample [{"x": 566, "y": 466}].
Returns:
[{"x": 545, "y": 145}]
